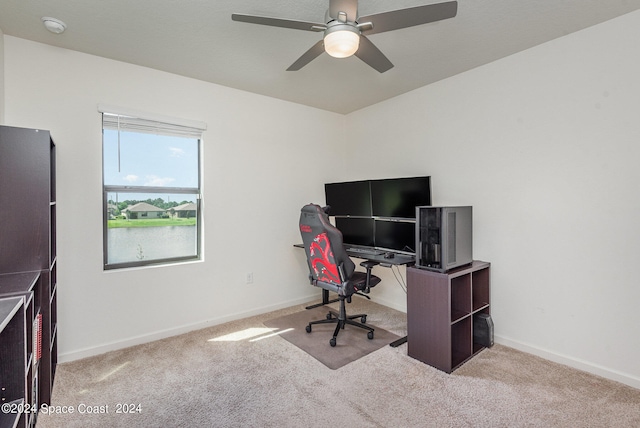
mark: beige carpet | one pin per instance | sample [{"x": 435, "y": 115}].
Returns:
[
  {"x": 352, "y": 342},
  {"x": 240, "y": 374}
]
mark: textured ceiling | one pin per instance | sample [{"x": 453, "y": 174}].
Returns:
[{"x": 198, "y": 39}]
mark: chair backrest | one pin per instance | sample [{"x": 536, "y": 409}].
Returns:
[{"x": 327, "y": 259}]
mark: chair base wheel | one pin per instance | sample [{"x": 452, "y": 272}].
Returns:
[{"x": 341, "y": 320}]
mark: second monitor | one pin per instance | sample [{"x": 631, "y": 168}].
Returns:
[
  {"x": 356, "y": 230},
  {"x": 398, "y": 236},
  {"x": 382, "y": 234}
]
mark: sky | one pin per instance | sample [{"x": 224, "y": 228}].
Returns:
[{"x": 150, "y": 160}]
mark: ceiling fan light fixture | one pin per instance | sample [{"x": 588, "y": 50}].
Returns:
[{"x": 341, "y": 41}]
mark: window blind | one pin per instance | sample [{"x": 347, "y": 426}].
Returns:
[{"x": 122, "y": 120}]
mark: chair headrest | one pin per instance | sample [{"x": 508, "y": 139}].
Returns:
[{"x": 310, "y": 208}]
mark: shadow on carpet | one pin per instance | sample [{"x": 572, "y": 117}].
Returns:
[{"x": 352, "y": 341}]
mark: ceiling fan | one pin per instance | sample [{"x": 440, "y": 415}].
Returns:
[{"x": 345, "y": 32}]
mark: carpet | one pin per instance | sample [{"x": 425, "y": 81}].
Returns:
[
  {"x": 248, "y": 381},
  {"x": 352, "y": 342}
]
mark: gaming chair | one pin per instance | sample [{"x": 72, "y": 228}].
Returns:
[{"x": 331, "y": 268}]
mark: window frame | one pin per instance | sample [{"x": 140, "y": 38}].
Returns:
[{"x": 162, "y": 126}]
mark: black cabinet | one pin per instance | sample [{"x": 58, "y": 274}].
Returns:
[{"x": 28, "y": 257}]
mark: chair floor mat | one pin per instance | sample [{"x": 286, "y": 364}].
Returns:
[{"x": 352, "y": 342}]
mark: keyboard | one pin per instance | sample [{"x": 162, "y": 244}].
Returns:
[{"x": 364, "y": 251}]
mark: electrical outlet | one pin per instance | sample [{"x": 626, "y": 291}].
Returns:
[{"x": 249, "y": 278}]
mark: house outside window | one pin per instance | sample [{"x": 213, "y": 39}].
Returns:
[{"x": 152, "y": 199}]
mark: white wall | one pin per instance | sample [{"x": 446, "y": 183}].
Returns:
[
  {"x": 257, "y": 157},
  {"x": 545, "y": 146}
]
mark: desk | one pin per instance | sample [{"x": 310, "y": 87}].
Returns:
[{"x": 398, "y": 259}]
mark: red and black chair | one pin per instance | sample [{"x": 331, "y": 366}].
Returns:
[{"x": 331, "y": 268}]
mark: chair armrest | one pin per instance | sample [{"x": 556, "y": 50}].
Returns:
[{"x": 369, "y": 264}]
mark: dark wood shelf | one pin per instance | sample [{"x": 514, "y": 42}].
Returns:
[
  {"x": 440, "y": 308},
  {"x": 13, "y": 340},
  {"x": 28, "y": 258}
]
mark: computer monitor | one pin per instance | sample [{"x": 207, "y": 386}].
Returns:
[
  {"x": 395, "y": 235},
  {"x": 399, "y": 197},
  {"x": 356, "y": 231},
  {"x": 352, "y": 198}
]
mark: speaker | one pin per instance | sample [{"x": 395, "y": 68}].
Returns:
[{"x": 483, "y": 330}]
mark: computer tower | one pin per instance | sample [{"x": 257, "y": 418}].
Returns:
[
  {"x": 443, "y": 237},
  {"x": 483, "y": 330}
]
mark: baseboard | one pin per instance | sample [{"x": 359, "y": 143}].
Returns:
[
  {"x": 576, "y": 363},
  {"x": 389, "y": 304},
  {"x": 162, "y": 334}
]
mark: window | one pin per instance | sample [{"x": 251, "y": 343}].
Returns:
[{"x": 151, "y": 189}]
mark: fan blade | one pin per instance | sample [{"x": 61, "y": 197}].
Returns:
[
  {"x": 278, "y": 22},
  {"x": 369, "y": 53},
  {"x": 350, "y": 7},
  {"x": 403, "y": 18},
  {"x": 308, "y": 56}
]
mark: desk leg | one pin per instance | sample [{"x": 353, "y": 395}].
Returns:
[
  {"x": 325, "y": 300},
  {"x": 398, "y": 342}
]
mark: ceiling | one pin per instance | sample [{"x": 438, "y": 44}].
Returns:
[{"x": 198, "y": 39}]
